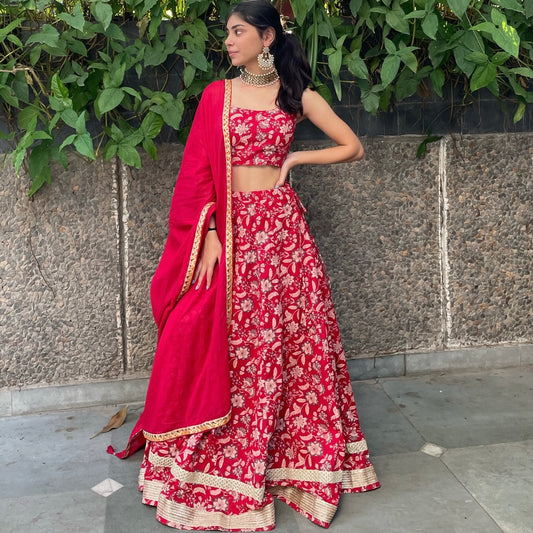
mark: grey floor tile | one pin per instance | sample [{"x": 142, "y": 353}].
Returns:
[
  {"x": 386, "y": 430},
  {"x": 52, "y": 453},
  {"x": 418, "y": 495},
  {"x": 500, "y": 478},
  {"x": 71, "y": 512},
  {"x": 460, "y": 410}
]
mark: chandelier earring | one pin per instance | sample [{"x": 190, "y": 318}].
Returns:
[{"x": 265, "y": 59}]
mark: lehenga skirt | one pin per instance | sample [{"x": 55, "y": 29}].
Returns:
[{"x": 294, "y": 431}]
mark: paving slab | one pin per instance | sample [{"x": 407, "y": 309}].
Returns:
[
  {"x": 500, "y": 478},
  {"x": 386, "y": 429},
  {"x": 418, "y": 495},
  {"x": 69, "y": 512},
  {"x": 461, "y": 410}
]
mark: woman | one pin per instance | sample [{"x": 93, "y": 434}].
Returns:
[{"x": 241, "y": 275}]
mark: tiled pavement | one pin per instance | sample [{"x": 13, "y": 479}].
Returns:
[{"x": 454, "y": 454}]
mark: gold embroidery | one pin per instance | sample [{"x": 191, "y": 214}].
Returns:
[
  {"x": 178, "y": 514},
  {"x": 353, "y": 479},
  {"x": 152, "y": 491},
  {"x": 195, "y": 249},
  {"x": 210, "y": 424},
  {"x": 229, "y": 232},
  {"x": 158, "y": 460},
  {"x": 356, "y": 447},
  {"x": 314, "y": 506},
  {"x": 297, "y": 474},
  {"x": 200, "y": 478}
]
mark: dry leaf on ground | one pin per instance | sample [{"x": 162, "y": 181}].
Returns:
[{"x": 114, "y": 422}]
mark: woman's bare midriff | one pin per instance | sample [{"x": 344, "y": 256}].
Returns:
[{"x": 249, "y": 178}]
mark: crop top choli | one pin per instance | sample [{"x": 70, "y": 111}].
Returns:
[{"x": 260, "y": 138}]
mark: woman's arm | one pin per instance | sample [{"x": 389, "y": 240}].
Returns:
[
  {"x": 348, "y": 146},
  {"x": 210, "y": 255}
]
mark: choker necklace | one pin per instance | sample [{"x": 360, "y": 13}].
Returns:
[{"x": 259, "y": 80}]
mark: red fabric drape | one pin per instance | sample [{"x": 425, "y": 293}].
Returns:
[{"x": 189, "y": 389}]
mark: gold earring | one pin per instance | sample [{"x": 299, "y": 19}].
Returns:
[{"x": 265, "y": 59}]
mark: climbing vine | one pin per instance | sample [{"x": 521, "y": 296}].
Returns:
[{"x": 103, "y": 77}]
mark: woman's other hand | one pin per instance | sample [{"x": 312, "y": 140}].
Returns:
[{"x": 211, "y": 254}]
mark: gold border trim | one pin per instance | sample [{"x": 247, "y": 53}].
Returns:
[
  {"x": 308, "y": 503},
  {"x": 356, "y": 447},
  {"x": 229, "y": 231},
  {"x": 152, "y": 491},
  {"x": 297, "y": 474},
  {"x": 225, "y": 483},
  {"x": 210, "y": 424},
  {"x": 359, "y": 479},
  {"x": 178, "y": 514},
  {"x": 195, "y": 250}
]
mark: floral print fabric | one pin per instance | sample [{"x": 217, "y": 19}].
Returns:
[
  {"x": 260, "y": 137},
  {"x": 294, "y": 431}
]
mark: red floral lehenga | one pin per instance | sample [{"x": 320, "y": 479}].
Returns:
[{"x": 294, "y": 431}]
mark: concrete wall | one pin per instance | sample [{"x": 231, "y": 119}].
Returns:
[{"x": 425, "y": 256}]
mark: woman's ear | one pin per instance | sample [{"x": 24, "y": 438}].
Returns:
[{"x": 268, "y": 36}]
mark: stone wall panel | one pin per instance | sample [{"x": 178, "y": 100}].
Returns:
[
  {"x": 376, "y": 223},
  {"x": 149, "y": 193},
  {"x": 490, "y": 239},
  {"x": 59, "y": 278}
]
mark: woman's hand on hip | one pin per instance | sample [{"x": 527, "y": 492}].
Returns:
[
  {"x": 211, "y": 254},
  {"x": 290, "y": 161}
]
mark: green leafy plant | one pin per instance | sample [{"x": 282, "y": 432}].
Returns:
[{"x": 103, "y": 77}]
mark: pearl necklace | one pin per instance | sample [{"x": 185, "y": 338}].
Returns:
[{"x": 259, "y": 80}]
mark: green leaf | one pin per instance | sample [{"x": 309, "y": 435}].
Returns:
[
  {"x": 519, "y": 113},
  {"x": 151, "y": 125},
  {"x": 69, "y": 140},
  {"x": 301, "y": 8},
  {"x": 108, "y": 99},
  {"x": 459, "y": 7},
  {"x": 129, "y": 155},
  {"x": 69, "y": 117},
  {"x": 39, "y": 159},
  {"x": 150, "y": 148},
  {"x": 499, "y": 58},
  {"x": 27, "y": 117},
  {"x": 103, "y": 13},
  {"x": 483, "y": 75},
  {"x": 406, "y": 85},
  {"x": 39, "y": 180},
  {"x": 356, "y": 65},
  {"x": 48, "y": 35},
  {"x": 479, "y": 58},
  {"x": 512, "y": 5},
  {"x": 76, "y": 20},
  {"x": 437, "y": 78},
  {"x": 6, "y": 30},
  {"x": 430, "y": 25},
  {"x": 15, "y": 40},
  {"x": 389, "y": 69},
  {"x": 355, "y": 6},
  {"x": 504, "y": 35},
  {"x": 523, "y": 71},
  {"x": 59, "y": 89},
  {"x": 528, "y": 5},
  {"x": 370, "y": 101},
  {"x": 84, "y": 145},
  {"x": 8, "y": 97},
  {"x": 35, "y": 55},
  {"x": 396, "y": 18},
  {"x": 110, "y": 150}
]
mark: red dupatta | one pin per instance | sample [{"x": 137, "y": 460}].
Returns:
[{"x": 189, "y": 389}]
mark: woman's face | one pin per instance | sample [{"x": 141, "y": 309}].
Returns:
[{"x": 244, "y": 43}]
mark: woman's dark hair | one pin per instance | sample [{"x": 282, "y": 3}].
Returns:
[{"x": 289, "y": 58}]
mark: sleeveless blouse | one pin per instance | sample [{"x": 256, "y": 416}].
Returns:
[{"x": 260, "y": 138}]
